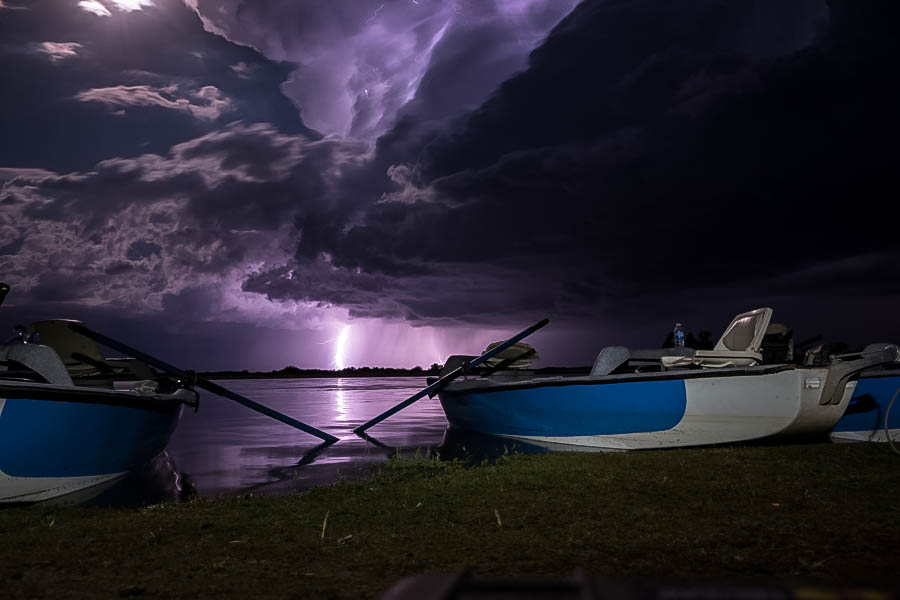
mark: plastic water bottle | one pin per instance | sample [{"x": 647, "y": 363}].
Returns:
[{"x": 679, "y": 335}]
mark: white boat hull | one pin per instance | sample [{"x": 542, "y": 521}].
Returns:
[{"x": 655, "y": 410}]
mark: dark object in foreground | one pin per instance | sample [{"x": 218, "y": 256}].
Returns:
[
  {"x": 818, "y": 511},
  {"x": 584, "y": 586}
]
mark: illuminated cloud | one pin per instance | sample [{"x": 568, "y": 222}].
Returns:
[
  {"x": 243, "y": 70},
  {"x": 59, "y": 50},
  {"x": 100, "y": 8},
  {"x": 131, "y": 5},
  {"x": 206, "y": 102},
  {"x": 360, "y": 63},
  {"x": 93, "y": 6}
]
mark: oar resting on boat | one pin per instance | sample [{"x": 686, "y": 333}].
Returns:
[
  {"x": 192, "y": 379},
  {"x": 435, "y": 387}
]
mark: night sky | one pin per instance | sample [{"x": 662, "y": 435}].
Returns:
[{"x": 259, "y": 183}]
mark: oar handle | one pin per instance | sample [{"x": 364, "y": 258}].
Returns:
[
  {"x": 200, "y": 382},
  {"x": 437, "y": 385}
]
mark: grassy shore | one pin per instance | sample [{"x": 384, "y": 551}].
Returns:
[{"x": 821, "y": 510}]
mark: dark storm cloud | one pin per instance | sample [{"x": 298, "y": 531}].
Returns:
[
  {"x": 141, "y": 249},
  {"x": 652, "y": 158},
  {"x": 136, "y": 230},
  {"x": 725, "y": 148},
  {"x": 163, "y": 77},
  {"x": 184, "y": 338},
  {"x": 419, "y": 296}
]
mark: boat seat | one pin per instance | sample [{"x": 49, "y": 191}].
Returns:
[
  {"x": 518, "y": 356},
  {"x": 81, "y": 355},
  {"x": 610, "y": 359},
  {"x": 613, "y": 357},
  {"x": 38, "y": 358},
  {"x": 739, "y": 346}
]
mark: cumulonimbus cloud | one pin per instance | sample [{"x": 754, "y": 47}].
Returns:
[{"x": 358, "y": 64}]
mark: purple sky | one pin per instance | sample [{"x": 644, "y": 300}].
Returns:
[{"x": 245, "y": 184}]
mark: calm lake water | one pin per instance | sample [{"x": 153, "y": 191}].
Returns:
[{"x": 228, "y": 449}]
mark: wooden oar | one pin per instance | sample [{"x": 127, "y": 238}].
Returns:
[
  {"x": 201, "y": 382},
  {"x": 437, "y": 385}
]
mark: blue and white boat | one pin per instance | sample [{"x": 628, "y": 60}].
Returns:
[
  {"x": 873, "y": 414},
  {"x": 661, "y": 398},
  {"x": 70, "y": 427}
]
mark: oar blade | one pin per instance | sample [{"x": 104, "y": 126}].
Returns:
[{"x": 437, "y": 385}]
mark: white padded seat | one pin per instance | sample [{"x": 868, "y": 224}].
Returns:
[{"x": 739, "y": 346}]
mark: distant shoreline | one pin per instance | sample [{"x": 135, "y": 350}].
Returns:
[{"x": 298, "y": 373}]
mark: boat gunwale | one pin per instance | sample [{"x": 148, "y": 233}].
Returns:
[
  {"x": 13, "y": 390},
  {"x": 885, "y": 372},
  {"x": 486, "y": 385}
]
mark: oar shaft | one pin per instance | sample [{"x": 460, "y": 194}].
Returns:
[
  {"x": 125, "y": 349},
  {"x": 414, "y": 398},
  {"x": 201, "y": 382},
  {"x": 437, "y": 385},
  {"x": 263, "y": 409}
]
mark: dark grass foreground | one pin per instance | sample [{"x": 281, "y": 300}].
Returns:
[{"x": 829, "y": 511}]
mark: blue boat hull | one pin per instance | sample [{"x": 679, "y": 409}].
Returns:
[
  {"x": 625, "y": 412},
  {"x": 574, "y": 410},
  {"x": 55, "y": 448},
  {"x": 864, "y": 419}
]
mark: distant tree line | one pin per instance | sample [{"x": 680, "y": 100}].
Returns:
[{"x": 291, "y": 371}]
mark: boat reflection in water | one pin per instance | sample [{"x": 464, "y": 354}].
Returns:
[
  {"x": 473, "y": 448},
  {"x": 156, "y": 481}
]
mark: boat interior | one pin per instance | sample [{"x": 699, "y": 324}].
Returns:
[
  {"x": 50, "y": 352},
  {"x": 751, "y": 344}
]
